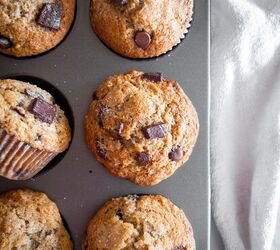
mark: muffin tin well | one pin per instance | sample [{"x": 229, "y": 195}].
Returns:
[
  {"x": 60, "y": 99},
  {"x": 78, "y": 184}
]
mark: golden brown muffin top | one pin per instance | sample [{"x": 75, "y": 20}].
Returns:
[{"x": 16, "y": 117}]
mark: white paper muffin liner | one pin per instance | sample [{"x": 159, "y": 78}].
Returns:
[{"x": 20, "y": 161}]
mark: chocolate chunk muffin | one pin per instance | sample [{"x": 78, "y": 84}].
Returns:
[
  {"x": 30, "y": 27},
  {"x": 141, "y": 126},
  {"x": 33, "y": 129},
  {"x": 141, "y": 29},
  {"x": 30, "y": 220},
  {"x": 145, "y": 222}
]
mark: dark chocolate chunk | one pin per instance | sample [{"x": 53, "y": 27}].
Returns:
[
  {"x": 50, "y": 15},
  {"x": 142, "y": 158},
  {"x": 155, "y": 131},
  {"x": 176, "y": 153},
  {"x": 119, "y": 214},
  {"x": 102, "y": 152},
  {"x": 42, "y": 110},
  {"x": 153, "y": 76},
  {"x": 122, "y": 2},
  {"x": 119, "y": 128},
  {"x": 142, "y": 39},
  {"x": 5, "y": 42}
]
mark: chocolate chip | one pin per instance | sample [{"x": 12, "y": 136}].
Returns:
[
  {"x": 119, "y": 128},
  {"x": 50, "y": 15},
  {"x": 142, "y": 158},
  {"x": 142, "y": 39},
  {"x": 153, "y": 76},
  {"x": 155, "y": 131},
  {"x": 122, "y": 2},
  {"x": 176, "y": 153},
  {"x": 42, "y": 110},
  {"x": 102, "y": 152},
  {"x": 5, "y": 42},
  {"x": 119, "y": 214}
]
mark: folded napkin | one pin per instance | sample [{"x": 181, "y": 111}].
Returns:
[{"x": 245, "y": 122}]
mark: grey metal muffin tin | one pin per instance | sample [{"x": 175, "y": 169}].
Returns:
[{"x": 78, "y": 183}]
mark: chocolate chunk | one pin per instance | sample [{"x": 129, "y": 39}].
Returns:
[
  {"x": 142, "y": 39},
  {"x": 50, "y": 15},
  {"x": 42, "y": 110},
  {"x": 176, "y": 153},
  {"x": 119, "y": 214},
  {"x": 142, "y": 158},
  {"x": 5, "y": 42},
  {"x": 102, "y": 152},
  {"x": 122, "y": 2},
  {"x": 153, "y": 76},
  {"x": 155, "y": 131},
  {"x": 119, "y": 128}
]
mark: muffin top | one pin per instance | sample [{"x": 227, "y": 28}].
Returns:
[
  {"x": 31, "y": 115},
  {"x": 140, "y": 29},
  {"x": 141, "y": 127},
  {"x": 29, "y": 220},
  {"x": 30, "y": 27},
  {"x": 145, "y": 222}
]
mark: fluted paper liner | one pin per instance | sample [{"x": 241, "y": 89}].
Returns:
[{"x": 20, "y": 161}]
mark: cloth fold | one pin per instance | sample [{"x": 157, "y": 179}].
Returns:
[{"x": 245, "y": 122}]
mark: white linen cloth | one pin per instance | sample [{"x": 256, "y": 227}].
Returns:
[{"x": 245, "y": 122}]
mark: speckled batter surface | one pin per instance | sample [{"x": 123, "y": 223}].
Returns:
[
  {"x": 117, "y": 24},
  {"x": 15, "y": 98},
  {"x": 146, "y": 222},
  {"x": 123, "y": 106},
  {"x": 30, "y": 220},
  {"x": 18, "y": 23}
]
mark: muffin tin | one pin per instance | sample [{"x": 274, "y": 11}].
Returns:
[{"x": 71, "y": 72}]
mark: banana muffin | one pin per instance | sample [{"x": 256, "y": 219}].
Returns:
[
  {"x": 33, "y": 129},
  {"x": 141, "y": 29},
  {"x": 145, "y": 222},
  {"x": 141, "y": 126},
  {"x": 31, "y": 27},
  {"x": 30, "y": 220}
]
